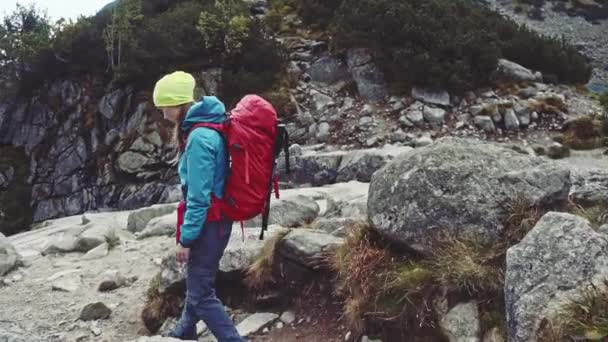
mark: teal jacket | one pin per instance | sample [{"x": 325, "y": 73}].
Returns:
[{"x": 203, "y": 165}]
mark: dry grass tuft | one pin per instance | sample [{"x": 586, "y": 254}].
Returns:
[
  {"x": 159, "y": 306},
  {"x": 596, "y": 215},
  {"x": 522, "y": 216},
  {"x": 259, "y": 274},
  {"x": 377, "y": 284},
  {"x": 585, "y": 318},
  {"x": 460, "y": 265},
  {"x": 584, "y": 133}
]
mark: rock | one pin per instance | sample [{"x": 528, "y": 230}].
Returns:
[
  {"x": 397, "y": 106},
  {"x": 368, "y": 77},
  {"x": 335, "y": 226},
  {"x": 405, "y": 122},
  {"x": 398, "y": 136},
  {"x": 306, "y": 246},
  {"x": 321, "y": 101},
  {"x": 511, "y": 120},
  {"x": 159, "y": 226},
  {"x": 171, "y": 194},
  {"x": 524, "y": 118},
  {"x": 255, "y": 323},
  {"x": 9, "y": 258},
  {"x": 95, "y": 311},
  {"x": 460, "y": 187},
  {"x": 434, "y": 115},
  {"x": 67, "y": 281},
  {"x": 493, "y": 335},
  {"x": 574, "y": 256},
  {"x": 534, "y": 116},
  {"x": 241, "y": 253},
  {"x": 328, "y": 70},
  {"x": 238, "y": 256},
  {"x": 113, "y": 280},
  {"x": 476, "y": 110},
  {"x": 143, "y": 146},
  {"x": 557, "y": 151},
  {"x": 97, "y": 252},
  {"x": 507, "y": 71},
  {"x": 288, "y": 317},
  {"x": 424, "y": 140},
  {"x": 440, "y": 98},
  {"x": 461, "y": 324},
  {"x": 485, "y": 123},
  {"x": 323, "y": 133},
  {"x": 65, "y": 242},
  {"x": 414, "y": 113},
  {"x": 318, "y": 168},
  {"x": 360, "y": 165},
  {"x": 111, "y": 103},
  {"x": 138, "y": 219},
  {"x": 95, "y": 234},
  {"x": 132, "y": 162},
  {"x": 292, "y": 211},
  {"x": 589, "y": 186}
]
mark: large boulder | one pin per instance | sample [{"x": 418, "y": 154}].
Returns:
[
  {"x": 81, "y": 238},
  {"x": 9, "y": 258},
  {"x": 360, "y": 165},
  {"x": 321, "y": 168},
  {"x": 306, "y": 247},
  {"x": 507, "y": 71},
  {"x": 290, "y": 211},
  {"x": 328, "y": 70},
  {"x": 557, "y": 260},
  {"x": 589, "y": 186},
  {"x": 318, "y": 168},
  {"x": 440, "y": 98},
  {"x": 159, "y": 226},
  {"x": 337, "y": 226},
  {"x": 458, "y": 187},
  {"x": 240, "y": 253},
  {"x": 139, "y": 219}
]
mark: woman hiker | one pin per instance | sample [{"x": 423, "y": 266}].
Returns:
[{"x": 202, "y": 170}]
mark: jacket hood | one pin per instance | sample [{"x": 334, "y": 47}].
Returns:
[{"x": 209, "y": 109}]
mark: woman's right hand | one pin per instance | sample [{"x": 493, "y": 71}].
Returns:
[{"x": 182, "y": 255}]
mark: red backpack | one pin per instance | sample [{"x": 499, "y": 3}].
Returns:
[{"x": 254, "y": 139}]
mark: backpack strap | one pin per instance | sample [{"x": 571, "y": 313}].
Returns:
[{"x": 281, "y": 143}]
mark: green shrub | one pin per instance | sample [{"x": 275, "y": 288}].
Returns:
[
  {"x": 440, "y": 43},
  {"x": 256, "y": 69}
]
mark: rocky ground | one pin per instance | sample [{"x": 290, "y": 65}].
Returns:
[
  {"x": 54, "y": 273},
  {"x": 44, "y": 300}
]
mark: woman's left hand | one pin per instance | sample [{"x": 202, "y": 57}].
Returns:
[{"x": 183, "y": 255}]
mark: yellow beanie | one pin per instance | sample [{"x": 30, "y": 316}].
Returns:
[{"x": 174, "y": 90}]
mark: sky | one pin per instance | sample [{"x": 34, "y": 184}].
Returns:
[{"x": 58, "y": 8}]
